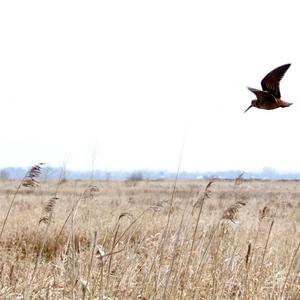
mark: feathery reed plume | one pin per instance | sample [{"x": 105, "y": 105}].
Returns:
[
  {"x": 232, "y": 212},
  {"x": 30, "y": 179},
  {"x": 205, "y": 195},
  {"x": 48, "y": 211},
  {"x": 90, "y": 192},
  {"x": 238, "y": 180},
  {"x": 264, "y": 213}
]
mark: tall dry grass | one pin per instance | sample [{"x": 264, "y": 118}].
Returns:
[{"x": 149, "y": 240}]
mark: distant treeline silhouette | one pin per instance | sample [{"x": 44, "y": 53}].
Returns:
[{"x": 51, "y": 173}]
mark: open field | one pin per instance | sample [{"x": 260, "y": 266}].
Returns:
[{"x": 143, "y": 240}]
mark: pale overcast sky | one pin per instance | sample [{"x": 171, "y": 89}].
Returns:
[{"x": 120, "y": 83}]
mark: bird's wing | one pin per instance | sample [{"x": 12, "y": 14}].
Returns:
[
  {"x": 270, "y": 83},
  {"x": 262, "y": 96}
]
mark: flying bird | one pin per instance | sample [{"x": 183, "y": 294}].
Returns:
[{"x": 269, "y": 97}]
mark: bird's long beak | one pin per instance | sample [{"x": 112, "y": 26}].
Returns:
[{"x": 248, "y": 108}]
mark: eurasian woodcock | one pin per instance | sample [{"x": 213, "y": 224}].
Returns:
[{"x": 269, "y": 97}]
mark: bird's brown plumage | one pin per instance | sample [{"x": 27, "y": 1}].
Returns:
[
  {"x": 270, "y": 97},
  {"x": 271, "y": 81}
]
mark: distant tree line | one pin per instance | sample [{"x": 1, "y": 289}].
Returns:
[{"x": 50, "y": 173}]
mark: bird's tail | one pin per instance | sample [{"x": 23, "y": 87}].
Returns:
[{"x": 285, "y": 104}]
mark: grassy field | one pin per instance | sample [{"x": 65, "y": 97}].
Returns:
[{"x": 147, "y": 240}]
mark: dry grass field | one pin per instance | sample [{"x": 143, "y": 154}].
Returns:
[{"x": 147, "y": 240}]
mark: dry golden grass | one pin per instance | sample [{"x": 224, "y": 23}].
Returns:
[{"x": 130, "y": 240}]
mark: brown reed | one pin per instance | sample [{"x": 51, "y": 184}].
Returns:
[{"x": 231, "y": 212}]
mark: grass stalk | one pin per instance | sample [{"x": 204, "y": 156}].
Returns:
[{"x": 289, "y": 270}]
